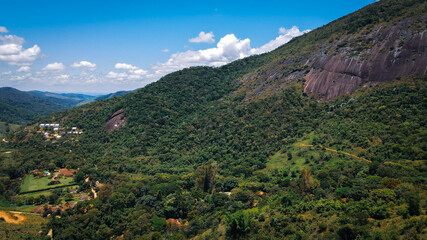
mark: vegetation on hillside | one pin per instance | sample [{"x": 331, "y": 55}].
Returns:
[{"x": 196, "y": 158}]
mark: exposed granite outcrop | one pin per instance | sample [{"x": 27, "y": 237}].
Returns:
[
  {"x": 342, "y": 64},
  {"x": 382, "y": 55},
  {"x": 116, "y": 121}
]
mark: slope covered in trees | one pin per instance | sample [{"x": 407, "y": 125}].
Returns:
[{"x": 234, "y": 153}]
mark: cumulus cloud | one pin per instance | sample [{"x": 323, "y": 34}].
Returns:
[
  {"x": 6, "y": 73},
  {"x": 133, "y": 73},
  {"x": 165, "y": 50},
  {"x": 84, "y": 64},
  {"x": 124, "y": 66},
  {"x": 228, "y": 49},
  {"x": 203, "y": 38},
  {"x": 285, "y": 35},
  {"x": 13, "y": 53},
  {"x": 3, "y": 29},
  {"x": 56, "y": 66},
  {"x": 23, "y": 69}
]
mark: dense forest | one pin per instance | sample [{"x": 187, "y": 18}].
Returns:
[{"x": 203, "y": 153}]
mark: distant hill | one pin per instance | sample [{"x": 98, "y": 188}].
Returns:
[
  {"x": 21, "y": 107},
  {"x": 66, "y": 99},
  {"x": 104, "y": 97}
]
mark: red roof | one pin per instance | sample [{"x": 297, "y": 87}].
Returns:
[{"x": 66, "y": 173}]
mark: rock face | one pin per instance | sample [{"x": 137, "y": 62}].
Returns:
[
  {"x": 116, "y": 121},
  {"x": 383, "y": 54},
  {"x": 342, "y": 64}
]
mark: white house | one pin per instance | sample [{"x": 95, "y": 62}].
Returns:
[
  {"x": 73, "y": 128},
  {"x": 57, "y": 125},
  {"x": 56, "y": 129},
  {"x": 52, "y": 125},
  {"x": 42, "y": 125}
]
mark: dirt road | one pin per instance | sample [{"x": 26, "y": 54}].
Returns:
[{"x": 333, "y": 150}]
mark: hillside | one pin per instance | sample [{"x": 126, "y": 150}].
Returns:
[
  {"x": 322, "y": 138},
  {"x": 21, "y": 107}
]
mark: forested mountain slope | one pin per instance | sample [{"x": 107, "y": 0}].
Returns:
[
  {"x": 21, "y": 107},
  {"x": 252, "y": 150}
]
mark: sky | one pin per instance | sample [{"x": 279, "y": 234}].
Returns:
[{"x": 108, "y": 46}]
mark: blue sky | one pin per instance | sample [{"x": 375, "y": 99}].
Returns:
[{"x": 107, "y": 46}]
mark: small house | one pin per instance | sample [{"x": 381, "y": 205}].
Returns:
[
  {"x": 73, "y": 128},
  {"x": 57, "y": 125},
  {"x": 52, "y": 125},
  {"x": 56, "y": 129},
  {"x": 42, "y": 125},
  {"x": 66, "y": 173}
]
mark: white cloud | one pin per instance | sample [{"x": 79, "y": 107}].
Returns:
[
  {"x": 118, "y": 76},
  {"x": 125, "y": 66},
  {"x": 165, "y": 50},
  {"x": 285, "y": 36},
  {"x": 9, "y": 49},
  {"x": 84, "y": 64},
  {"x": 3, "y": 29},
  {"x": 7, "y": 39},
  {"x": 56, "y": 66},
  {"x": 13, "y": 53},
  {"x": 6, "y": 73},
  {"x": 133, "y": 73},
  {"x": 203, "y": 38},
  {"x": 63, "y": 76},
  {"x": 228, "y": 49},
  {"x": 21, "y": 77},
  {"x": 23, "y": 69}
]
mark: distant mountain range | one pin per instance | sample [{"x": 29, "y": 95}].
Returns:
[
  {"x": 21, "y": 107},
  {"x": 104, "y": 97}
]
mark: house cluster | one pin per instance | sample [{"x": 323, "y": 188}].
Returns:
[{"x": 57, "y": 130}]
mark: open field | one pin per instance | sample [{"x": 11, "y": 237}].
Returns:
[
  {"x": 30, "y": 183},
  {"x": 303, "y": 153}
]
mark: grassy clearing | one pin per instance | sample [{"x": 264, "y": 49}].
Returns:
[
  {"x": 32, "y": 183},
  {"x": 7, "y": 127},
  {"x": 300, "y": 156},
  {"x": 28, "y": 230}
]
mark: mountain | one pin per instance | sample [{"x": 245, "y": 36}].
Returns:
[
  {"x": 104, "y": 97},
  {"x": 21, "y": 107},
  {"x": 322, "y": 138},
  {"x": 66, "y": 99}
]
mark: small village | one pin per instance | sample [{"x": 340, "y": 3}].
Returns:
[{"x": 55, "y": 131}]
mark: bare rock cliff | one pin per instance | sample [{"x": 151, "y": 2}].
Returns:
[
  {"x": 343, "y": 64},
  {"x": 381, "y": 55}
]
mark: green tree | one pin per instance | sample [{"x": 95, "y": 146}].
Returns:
[
  {"x": 206, "y": 175},
  {"x": 238, "y": 224}
]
